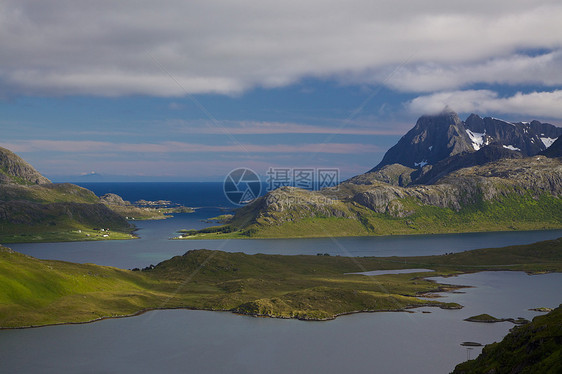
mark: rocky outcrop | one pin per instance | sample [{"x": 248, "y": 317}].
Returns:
[
  {"x": 13, "y": 169},
  {"x": 289, "y": 204},
  {"x": 113, "y": 199},
  {"x": 395, "y": 174}
]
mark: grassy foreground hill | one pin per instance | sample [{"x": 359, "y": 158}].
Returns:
[{"x": 37, "y": 292}]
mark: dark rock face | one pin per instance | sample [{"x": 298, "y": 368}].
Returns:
[
  {"x": 493, "y": 152},
  {"x": 431, "y": 140},
  {"x": 528, "y": 138},
  {"x": 437, "y": 137},
  {"x": 13, "y": 169}
]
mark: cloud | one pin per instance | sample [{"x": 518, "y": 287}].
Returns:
[
  {"x": 540, "y": 104},
  {"x": 174, "y": 47},
  {"x": 180, "y": 147},
  {"x": 544, "y": 69}
]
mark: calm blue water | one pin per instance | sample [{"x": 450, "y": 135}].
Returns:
[
  {"x": 193, "y": 194},
  {"x": 154, "y": 244}
]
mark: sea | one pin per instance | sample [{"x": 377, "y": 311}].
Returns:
[{"x": 427, "y": 340}]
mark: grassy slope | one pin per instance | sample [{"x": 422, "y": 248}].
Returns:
[
  {"x": 512, "y": 212},
  {"x": 56, "y": 212},
  {"x": 39, "y": 292},
  {"x": 532, "y": 348}
]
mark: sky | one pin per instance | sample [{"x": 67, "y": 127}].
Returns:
[{"x": 180, "y": 90}]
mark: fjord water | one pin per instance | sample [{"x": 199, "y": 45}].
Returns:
[
  {"x": 185, "y": 341},
  {"x": 154, "y": 244},
  {"x": 200, "y": 341}
]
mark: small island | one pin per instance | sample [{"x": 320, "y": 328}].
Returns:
[{"x": 485, "y": 318}]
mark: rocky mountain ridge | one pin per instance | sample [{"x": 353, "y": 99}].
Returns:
[{"x": 437, "y": 137}]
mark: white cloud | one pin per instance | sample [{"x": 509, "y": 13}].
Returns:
[
  {"x": 539, "y": 104},
  {"x": 217, "y": 46},
  {"x": 543, "y": 70}
]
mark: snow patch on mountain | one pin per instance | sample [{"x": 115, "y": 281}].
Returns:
[
  {"x": 548, "y": 141},
  {"x": 478, "y": 139}
]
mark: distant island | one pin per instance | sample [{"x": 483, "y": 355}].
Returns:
[{"x": 443, "y": 176}]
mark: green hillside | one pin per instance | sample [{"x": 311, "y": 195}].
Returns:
[
  {"x": 40, "y": 292},
  {"x": 34, "y": 209}
]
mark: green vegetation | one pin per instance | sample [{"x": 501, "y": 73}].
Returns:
[
  {"x": 27, "y": 222},
  {"x": 223, "y": 218},
  {"x": 509, "y": 194},
  {"x": 56, "y": 212},
  {"x": 506, "y": 213},
  {"x": 47, "y": 193},
  {"x": 39, "y": 292},
  {"x": 532, "y": 348},
  {"x": 84, "y": 234}
]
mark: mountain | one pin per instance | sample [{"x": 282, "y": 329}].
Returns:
[
  {"x": 432, "y": 139},
  {"x": 437, "y": 137},
  {"x": 13, "y": 169},
  {"x": 532, "y": 348},
  {"x": 470, "y": 180},
  {"x": 34, "y": 209}
]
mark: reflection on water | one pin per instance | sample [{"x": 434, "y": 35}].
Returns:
[{"x": 179, "y": 341}]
